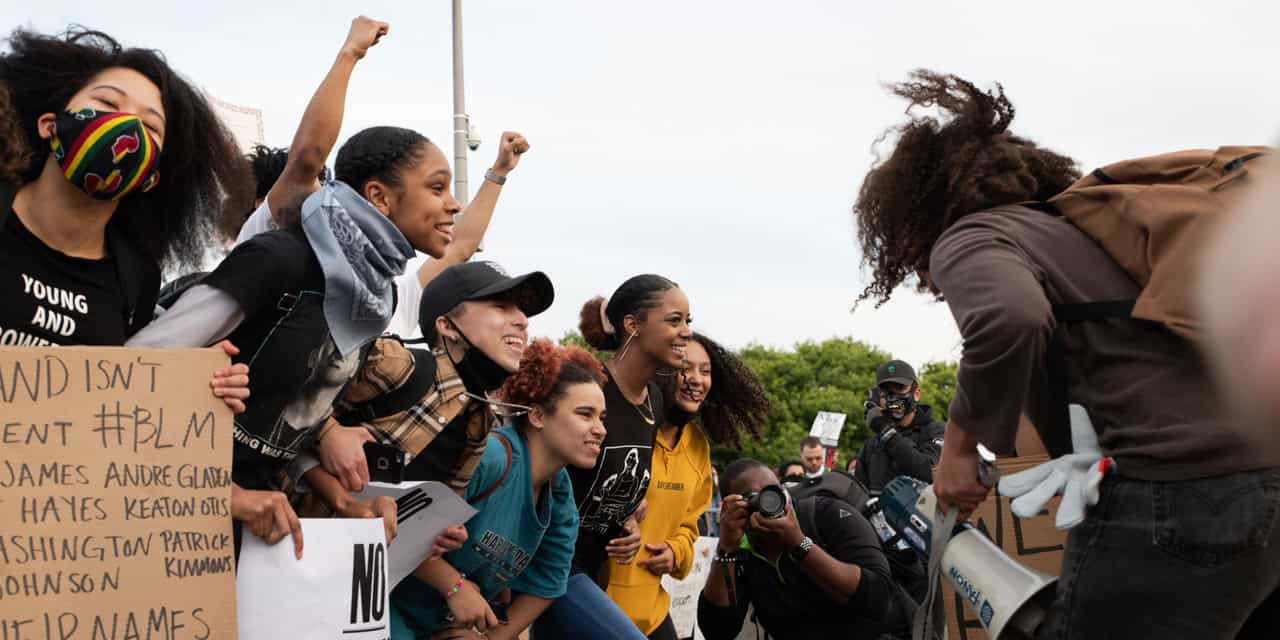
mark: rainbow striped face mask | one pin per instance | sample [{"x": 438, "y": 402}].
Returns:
[{"x": 107, "y": 155}]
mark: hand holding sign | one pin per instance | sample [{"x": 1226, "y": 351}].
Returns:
[
  {"x": 231, "y": 383},
  {"x": 339, "y": 590}
]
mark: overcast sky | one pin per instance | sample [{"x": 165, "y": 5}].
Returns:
[{"x": 721, "y": 143}]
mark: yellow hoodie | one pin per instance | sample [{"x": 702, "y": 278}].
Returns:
[{"x": 679, "y": 492}]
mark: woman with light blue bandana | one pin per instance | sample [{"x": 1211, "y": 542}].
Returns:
[{"x": 302, "y": 301}]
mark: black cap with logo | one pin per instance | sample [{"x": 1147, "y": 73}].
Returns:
[
  {"x": 896, "y": 371},
  {"x": 480, "y": 280}
]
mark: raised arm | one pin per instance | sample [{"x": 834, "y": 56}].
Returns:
[
  {"x": 321, "y": 122},
  {"x": 474, "y": 221}
]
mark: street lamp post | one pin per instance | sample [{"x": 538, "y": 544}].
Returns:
[{"x": 461, "y": 123}]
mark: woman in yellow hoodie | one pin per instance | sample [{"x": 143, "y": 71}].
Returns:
[{"x": 680, "y": 487}]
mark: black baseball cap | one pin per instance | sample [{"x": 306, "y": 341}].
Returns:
[
  {"x": 896, "y": 371},
  {"x": 480, "y": 280}
]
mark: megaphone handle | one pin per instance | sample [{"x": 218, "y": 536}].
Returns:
[{"x": 988, "y": 474}]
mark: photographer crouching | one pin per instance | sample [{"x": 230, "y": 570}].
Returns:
[{"x": 812, "y": 569}]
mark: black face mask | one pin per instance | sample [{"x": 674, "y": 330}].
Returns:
[
  {"x": 898, "y": 405},
  {"x": 480, "y": 374},
  {"x": 678, "y": 417}
]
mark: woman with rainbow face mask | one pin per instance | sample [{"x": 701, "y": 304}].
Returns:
[
  {"x": 116, "y": 168},
  {"x": 113, "y": 166}
]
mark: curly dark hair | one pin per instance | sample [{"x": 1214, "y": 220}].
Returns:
[
  {"x": 201, "y": 170},
  {"x": 943, "y": 169},
  {"x": 267, "y": 164},
  {"x": 634, "y": 297},
  {"x": 545, "y": 374},
  {"x": 736, "y": 401},
  {"x": 14, "y": 154},
  {"x": 379, "y": 153}
]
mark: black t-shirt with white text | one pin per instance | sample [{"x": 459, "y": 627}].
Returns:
[
  {"x": 51, "y": 298},
  {"x": 610, "y": 492},
  {"x": 284, "y": 338}
]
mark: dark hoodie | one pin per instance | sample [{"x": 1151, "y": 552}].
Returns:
[{"x": 912, "y": 451}]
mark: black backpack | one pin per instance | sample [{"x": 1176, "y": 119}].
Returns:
[
  {"x": 906, "y": 566},
  {"x": 139, "y": 275}
]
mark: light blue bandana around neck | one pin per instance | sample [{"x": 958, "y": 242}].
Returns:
[{"x": 361, "y": 253}]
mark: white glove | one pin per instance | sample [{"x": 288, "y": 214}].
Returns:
[{"x": 1076, "y": 476}]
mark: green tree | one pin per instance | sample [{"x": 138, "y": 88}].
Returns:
[
  {"x": 832, "y": 375},
  {"x": 575, "y": 339},
  {"x": 937, "y": 386}
]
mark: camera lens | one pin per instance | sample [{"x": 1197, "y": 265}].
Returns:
[{"x": 773, "y": 502}]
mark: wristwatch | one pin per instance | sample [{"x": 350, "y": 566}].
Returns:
[
  {"x": 801, "y": 550},
  {"x": 494, "y": 178}
]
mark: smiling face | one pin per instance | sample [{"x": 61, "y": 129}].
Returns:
[
  {"x": 573, "y": 428},
  {"x": 695, "y": 378},
  {"x": 121, "y": 90},
  {"x": 496, "y": 327},
  {"x": 423, "y": 206},
  {"x": 663, "y": 333}
]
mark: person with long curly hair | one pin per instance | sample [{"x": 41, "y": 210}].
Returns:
[
  {"x": 113, "y": 167},
  {"x": 118, "y": 168},
  {"x": 524, "y": 534},
  {"x": 957, "y": 204},
  {"x": 699, "y": 414},
  {"x": 645, "y": 326}
]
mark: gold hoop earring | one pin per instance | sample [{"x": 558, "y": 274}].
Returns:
[{"x": 626, "y": 345}]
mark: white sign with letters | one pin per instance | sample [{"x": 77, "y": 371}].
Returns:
[
  {"x": 684, "y": 593},
  {"x": 423, "y": 511},
  {"x": 827, "y": 426},
  {"x": 338, "y": 589}
]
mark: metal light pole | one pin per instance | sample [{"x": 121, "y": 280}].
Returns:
[{"x": 461, "y": 127}]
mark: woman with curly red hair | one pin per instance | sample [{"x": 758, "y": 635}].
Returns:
[{"x": 524, "y": 534}]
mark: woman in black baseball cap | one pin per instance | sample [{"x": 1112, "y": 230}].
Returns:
[{"x": 435, "y": 405}]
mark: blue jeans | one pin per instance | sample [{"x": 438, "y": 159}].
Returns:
[
  {"x": 584, "y": 612},
  {"x": 1192, "y": 559}
]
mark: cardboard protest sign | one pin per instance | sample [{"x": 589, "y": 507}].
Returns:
[
  {"x": 338, "y": 589},
  {"x": 423, "y": 511},
  {"x": 684, "y": 593},
  {"x": 1034, "y": 542},
  {"x": 115, "y": 490}
]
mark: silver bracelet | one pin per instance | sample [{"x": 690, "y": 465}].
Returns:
[{"x": 494, "y": 178}]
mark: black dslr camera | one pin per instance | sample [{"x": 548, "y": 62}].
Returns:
[{"x": 770, "y": 501}]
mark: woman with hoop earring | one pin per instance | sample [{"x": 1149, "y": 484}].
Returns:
[{"x": 645, "y": 323}]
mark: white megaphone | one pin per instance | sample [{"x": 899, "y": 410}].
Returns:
[{"x": 1010, "y": 600}]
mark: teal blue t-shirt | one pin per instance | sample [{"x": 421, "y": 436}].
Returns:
[{"x": 511, "y": 542}]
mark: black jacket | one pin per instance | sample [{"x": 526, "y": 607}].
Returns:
[
  {"x": 912, "y": 451},
  {"x": 791, "y": 606}
]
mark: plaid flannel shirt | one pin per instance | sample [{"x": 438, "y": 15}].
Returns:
[{"x": 387, "y": 367}]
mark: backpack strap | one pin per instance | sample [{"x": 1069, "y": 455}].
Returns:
[
  {"x": 139, "y": 279},
  {"x": 7, "y": 193},
  {"x": 401, "y": 398},
  {"x": 506, "y": 446},
  {"x": 806, "y": 512}
]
